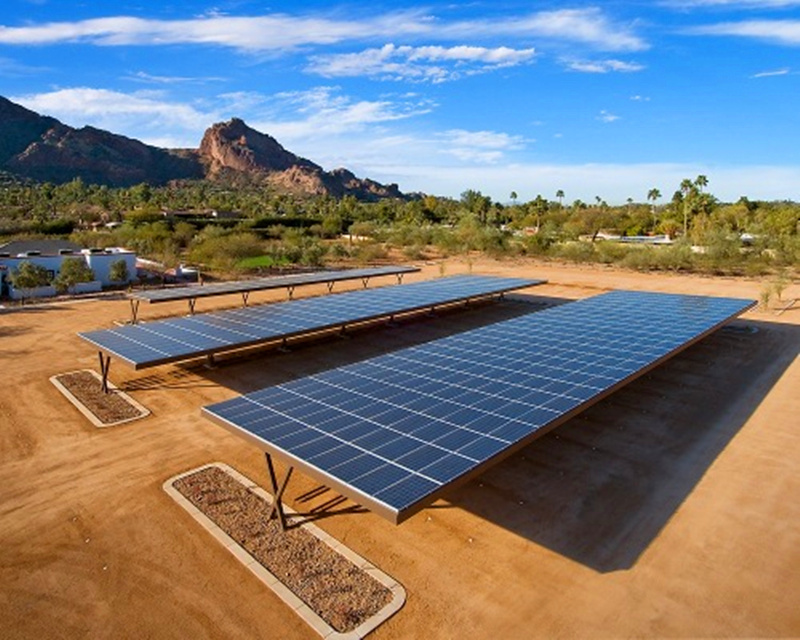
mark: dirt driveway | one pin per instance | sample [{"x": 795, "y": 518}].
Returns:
[{"x": 669, "y": 509}]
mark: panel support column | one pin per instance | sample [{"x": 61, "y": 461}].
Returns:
[
  {"x": 277, "y": 493},
  {"x": 134, "y": 310},
  {"x": 105, "y": 365},
  {"x": 192, "y": 302},
  {"x": 245, "y": 296}
]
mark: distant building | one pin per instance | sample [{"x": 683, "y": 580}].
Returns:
[
  {"x": 51, "y": 254},
  {"x": 211, "y": 214}
]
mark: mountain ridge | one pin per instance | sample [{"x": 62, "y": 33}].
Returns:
[{"x": 42, "y": 148}]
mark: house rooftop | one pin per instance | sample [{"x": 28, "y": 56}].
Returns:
[{"x": 44, "y": 247}]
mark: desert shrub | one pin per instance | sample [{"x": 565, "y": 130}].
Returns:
[
  {"x": 221, "y": 250},
  {"x": 575, "y": 251},
  {"x": 612, "y": 252},
  {"x": 369, "y": 252}
]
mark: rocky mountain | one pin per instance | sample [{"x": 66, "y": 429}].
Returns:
[{"x": 44, "y": 149}]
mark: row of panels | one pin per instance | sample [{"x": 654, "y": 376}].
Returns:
[
  {"x": 150, "y": 344},
  {"x": 394, "y": 431}
]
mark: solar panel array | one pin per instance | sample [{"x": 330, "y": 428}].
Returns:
[
  {"x": 150, "y": 344},
  {"x": 261, "y": 284},
  {"x": 395, "y": 431}
]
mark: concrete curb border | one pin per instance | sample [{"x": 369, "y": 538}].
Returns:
[
  {"x": 143, "y": 411},
  {"x": 297, "y": 605}
]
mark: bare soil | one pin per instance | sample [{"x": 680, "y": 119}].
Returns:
[
  {"x": 341, "y": 593},
  {"x": 668, "y": 510}
]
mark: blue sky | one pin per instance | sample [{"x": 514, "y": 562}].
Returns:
[{"x": 604, "y": 99}]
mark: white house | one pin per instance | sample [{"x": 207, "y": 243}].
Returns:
[{"x": 51, "y": 254}]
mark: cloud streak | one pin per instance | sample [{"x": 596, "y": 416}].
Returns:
[
  {"x": 278, "y": 32},
  {"x": 779, "y": 32},
  {"x": 419, "y": 64},
  {"x": 603, "y": 66}
]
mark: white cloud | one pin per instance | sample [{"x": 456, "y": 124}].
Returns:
[
  {"x": 323, "y": 111},
  {"x": 588, "y": 26},
  {"x": 148, "y": 78},
  {"x": 780, "y": 32},
  {"x": 606, "y": 116},
  {"x": 770, "y": 74},
  {"x": 733, "y": 4},
  {"x": 638, "y": 98},
  {"x": 603, "y": 66},
  {"x": 146, "y": 116},
  {"x": 482, "y": 147},
  {"x": 280, "y": 31},
  {"x": 430, "y": 63}
]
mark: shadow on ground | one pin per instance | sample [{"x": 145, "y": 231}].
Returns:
[{"x": 600, "y": 488}]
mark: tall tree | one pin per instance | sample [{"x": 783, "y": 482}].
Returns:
[
  {"x": 653, "y": 195},
  {"x": 687, "y": 187},
  {"x": 560, "y": 196}
]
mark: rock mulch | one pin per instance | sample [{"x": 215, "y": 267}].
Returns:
[
  {"x": 108, "y": 408},
  {"x": 341, "y": 593}
]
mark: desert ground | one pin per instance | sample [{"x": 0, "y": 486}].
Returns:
[{"x": 670, "y": 509}]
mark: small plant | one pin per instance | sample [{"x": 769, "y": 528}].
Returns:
[
  {"x": 779, "y": 285},
  {"x": 765, "y": 297}
]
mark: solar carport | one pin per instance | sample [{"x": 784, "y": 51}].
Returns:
[
  {"x": 397, "y": 431},
  {"x": 246, "y": 287},
  {"x": 175, "y": 339}
]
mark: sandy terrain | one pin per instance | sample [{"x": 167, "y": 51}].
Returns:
[{"x": 668, "y": 510}]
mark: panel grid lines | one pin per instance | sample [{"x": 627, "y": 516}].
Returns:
[
  {"x": 262, "y": 284},
  {"x": 432, "y": 414},
  {"x": 154, "y": 343}
]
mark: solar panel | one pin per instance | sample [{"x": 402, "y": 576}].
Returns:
[
  {"x": 395, "y": 431},
  {"x": 273, "y": 282},
  {"x": 150, "y": 344},
  {"x": 245, "y": 287}
]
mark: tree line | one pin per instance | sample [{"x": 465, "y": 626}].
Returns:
[{"x": 276, "y": 230}]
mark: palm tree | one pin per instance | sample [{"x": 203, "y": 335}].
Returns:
[
  {"x": 560, "y": 196},
  {"x": 513, "y": 197},
  {"x": 686, "y": 189},
  {"x": 653, "y": 195},
  {"x": 700, "y": 182}
]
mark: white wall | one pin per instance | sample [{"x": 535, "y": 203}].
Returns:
[{"x": 100, "y": 263}]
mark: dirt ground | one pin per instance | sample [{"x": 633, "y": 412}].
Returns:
[{"x": 668, "y": 510}]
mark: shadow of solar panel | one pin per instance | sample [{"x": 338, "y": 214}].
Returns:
[{"x": 422, "y": 419}]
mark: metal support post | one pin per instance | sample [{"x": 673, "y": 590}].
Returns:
[
  {"x": 245, "y": 296},
  {"x": 134, "y": 310},
  {"x": 192, "y": 302},
  {"x": 277, "y": 493},
  {"x": 105, "y": 365},
  {"x": 290, "y": 290}
]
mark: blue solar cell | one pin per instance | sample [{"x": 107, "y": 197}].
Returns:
[
  {"x": 163, "y": 341},
  {"x": 463, "y": 400}
]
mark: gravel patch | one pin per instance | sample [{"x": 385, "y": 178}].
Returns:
[
  {"x": 84, "y": 389},
  {"x": 341, "y": 593}
]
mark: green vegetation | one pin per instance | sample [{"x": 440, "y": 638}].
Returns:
[
  {"x": 73, "y": 271},
  {"x": 271, "y": 231},
  {"x": 29, "y": 276},
  {"x": 118, "y": 271}
]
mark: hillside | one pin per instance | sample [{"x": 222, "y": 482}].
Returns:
[{"x": 42, "y": 148}]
